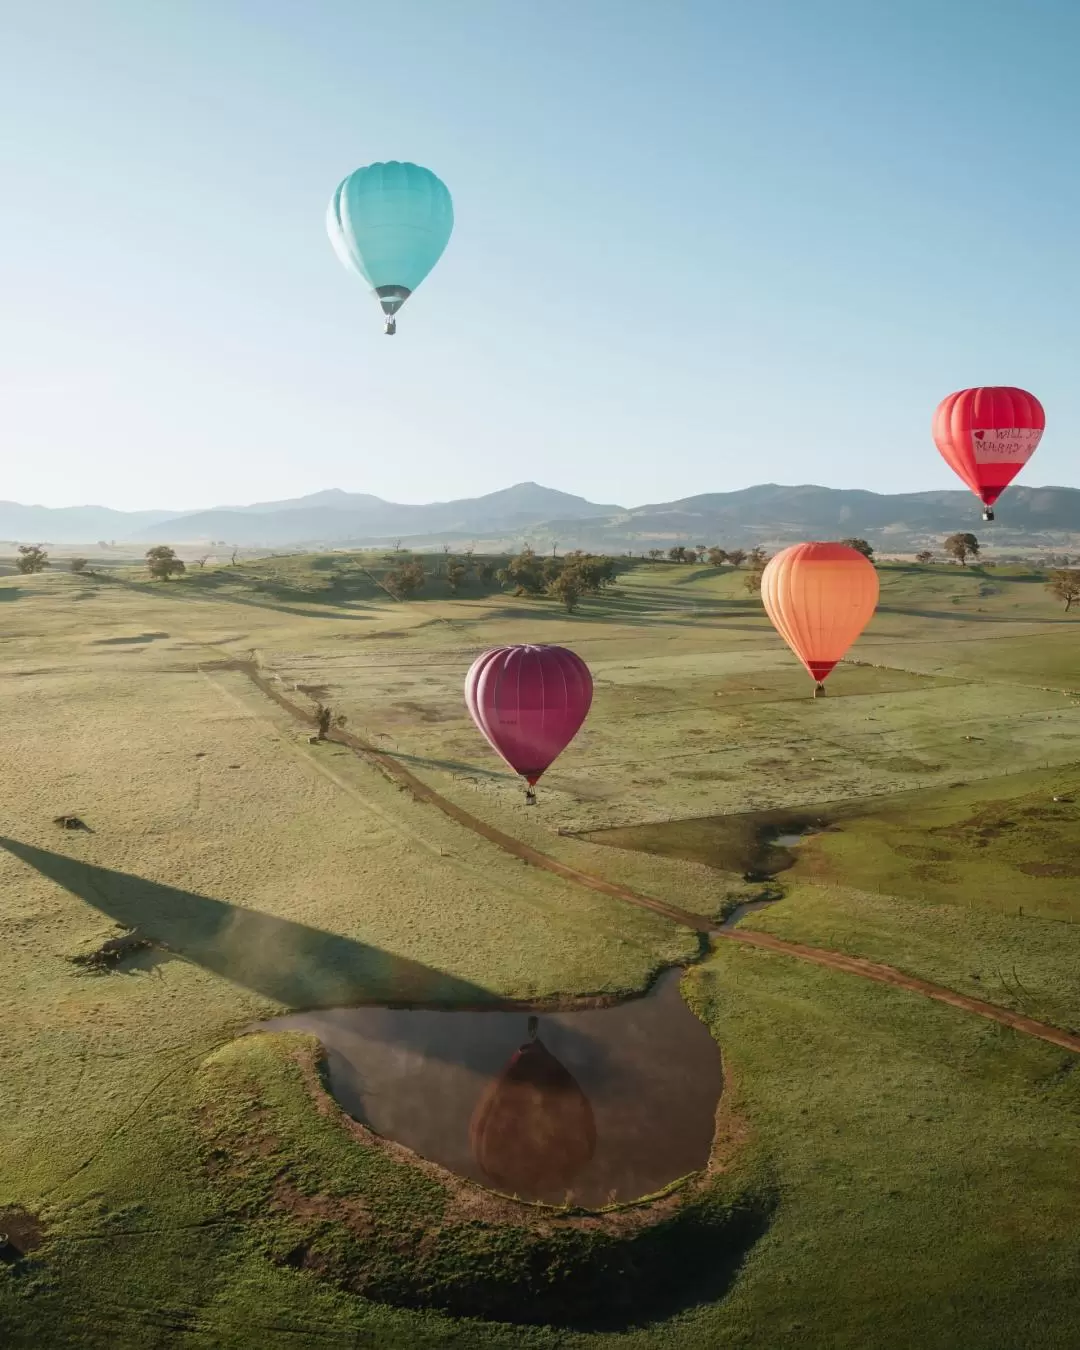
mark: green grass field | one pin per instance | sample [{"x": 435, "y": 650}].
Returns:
[{"x": 889, "y": 1172}]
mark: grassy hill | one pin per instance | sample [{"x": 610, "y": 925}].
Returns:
[{"x": 905, "y": 1172}]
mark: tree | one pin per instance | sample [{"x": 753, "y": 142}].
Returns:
[
  {"x": 717, "y": 557},
  {"x": 162, "y": 562},
  {"x": 702, "y": 551},
  {"x": 32, "y": 558},
  {"x": 567, "y": 587},
  {"x": 235, "y": 554},
  {"x": 550, "y": 569},
  {"x": 202, "y": 560},
  {"x": 406, "y": 579},
  {"x": 456, "y": 574},
  {"x": 736, "y": 556},
  {"x": 757, "y": 558},
  {"x": 655, "y": 553},
  {"x": 525, "y": 573},
  {"x": 80, "y": 564},
  {"x": 1065, "y": 584},
  {"x": 961, "y": 546},
  {"x": 924, "y": 557},
  {"x": 677, "y": 554},
  {"x": 486, "y": 572},
  {"x": 324, "y": 719},
  {"x": 594, "y": 573},
  {"x": 860, "y": 546}
]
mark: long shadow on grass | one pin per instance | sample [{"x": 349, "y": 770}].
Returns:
[
  {"x": 180, "y": 590},
  {"x": 452, "y": 765},
  {"x": 296, "y": 965},
  {"x": 960, "y": 614},
  {"x": 636, "y": 615}
]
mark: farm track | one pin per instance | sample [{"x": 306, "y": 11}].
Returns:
[{"x": 832, "y": 960}]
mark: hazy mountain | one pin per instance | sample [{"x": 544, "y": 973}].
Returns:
[
  {"x": 768, "y": 514},
  {"x": 72, "y": 524},
  {"x": 334, "y": 498},
  {"x": 344, "y": 517},
  {"x": 777, "y": 514}
]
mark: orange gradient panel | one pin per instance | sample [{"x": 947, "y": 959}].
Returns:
[{"x": 819, "y": 597}]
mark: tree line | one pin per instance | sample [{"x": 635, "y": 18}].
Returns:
[
  {"x": 567, "y": 579},
  {"x": 570, "y": 578}
]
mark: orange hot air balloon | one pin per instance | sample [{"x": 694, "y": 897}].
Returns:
[{"x": 819, "y": 597}]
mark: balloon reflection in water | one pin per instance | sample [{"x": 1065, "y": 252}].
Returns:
[{"x": 533, "y": 1129}]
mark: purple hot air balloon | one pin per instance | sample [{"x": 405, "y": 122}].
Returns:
[{"x": 529, "y": 702}]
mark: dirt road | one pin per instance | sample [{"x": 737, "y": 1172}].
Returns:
[{"x": 851, "y": 965}]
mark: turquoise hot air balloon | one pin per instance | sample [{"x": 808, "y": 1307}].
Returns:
[{"x": 390, "y": 223}]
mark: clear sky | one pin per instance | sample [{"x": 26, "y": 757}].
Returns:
[{"x": 700, "y": 243}]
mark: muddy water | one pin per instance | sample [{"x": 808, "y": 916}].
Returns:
[
  {"x": 596, "y": 1106},
  {"x": 757, "y": 844}
]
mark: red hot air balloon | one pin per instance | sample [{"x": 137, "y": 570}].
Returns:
[
  {"x": 819, "y": 597},
  {"x": 529, "y": 702},
  {"x": 986, "y": 436}
]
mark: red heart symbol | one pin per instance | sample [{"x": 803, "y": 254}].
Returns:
[{"x": 979, "y": 435}]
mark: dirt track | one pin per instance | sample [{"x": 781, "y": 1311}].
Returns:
[
  {"x": 851, "y": 965},
  {"x": 872, "y": 970}
]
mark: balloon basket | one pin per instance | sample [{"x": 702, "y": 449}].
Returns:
[{"x": 988, "y": 513}]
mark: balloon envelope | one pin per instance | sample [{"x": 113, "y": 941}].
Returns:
[
  {"x": 819, "y": 597},
  {"x": 533, "y": 1129},
  {"x": 987, "y": 435},
  {"x": 389, "y": 223},
  {"x": 529, "y": 702}
]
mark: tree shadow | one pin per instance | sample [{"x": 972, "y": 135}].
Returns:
[
  {"x": 966, "y": 616},
  {"x": 641, "y": 613},
  {"x": 179, "y": 590}
]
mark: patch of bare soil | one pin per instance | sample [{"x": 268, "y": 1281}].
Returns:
[
  {"x": 20, "y": 1233},
  {"x": 112, "y": 952},
  {"x": 1048, "y": 869},
  {"x": 69, "y": 822}
]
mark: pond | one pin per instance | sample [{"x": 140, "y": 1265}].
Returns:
[{"x": 590, "y": 1107}]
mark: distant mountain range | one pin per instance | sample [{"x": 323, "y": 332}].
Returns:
[{"x": 768, "y": 514}]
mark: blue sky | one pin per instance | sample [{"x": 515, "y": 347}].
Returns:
[{"x": 700, "y": 244}]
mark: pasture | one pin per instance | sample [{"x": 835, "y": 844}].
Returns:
[{"x": 887, "y": 1172}]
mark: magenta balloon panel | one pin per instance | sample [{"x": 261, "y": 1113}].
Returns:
[{"x": 529, "y": 702}]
